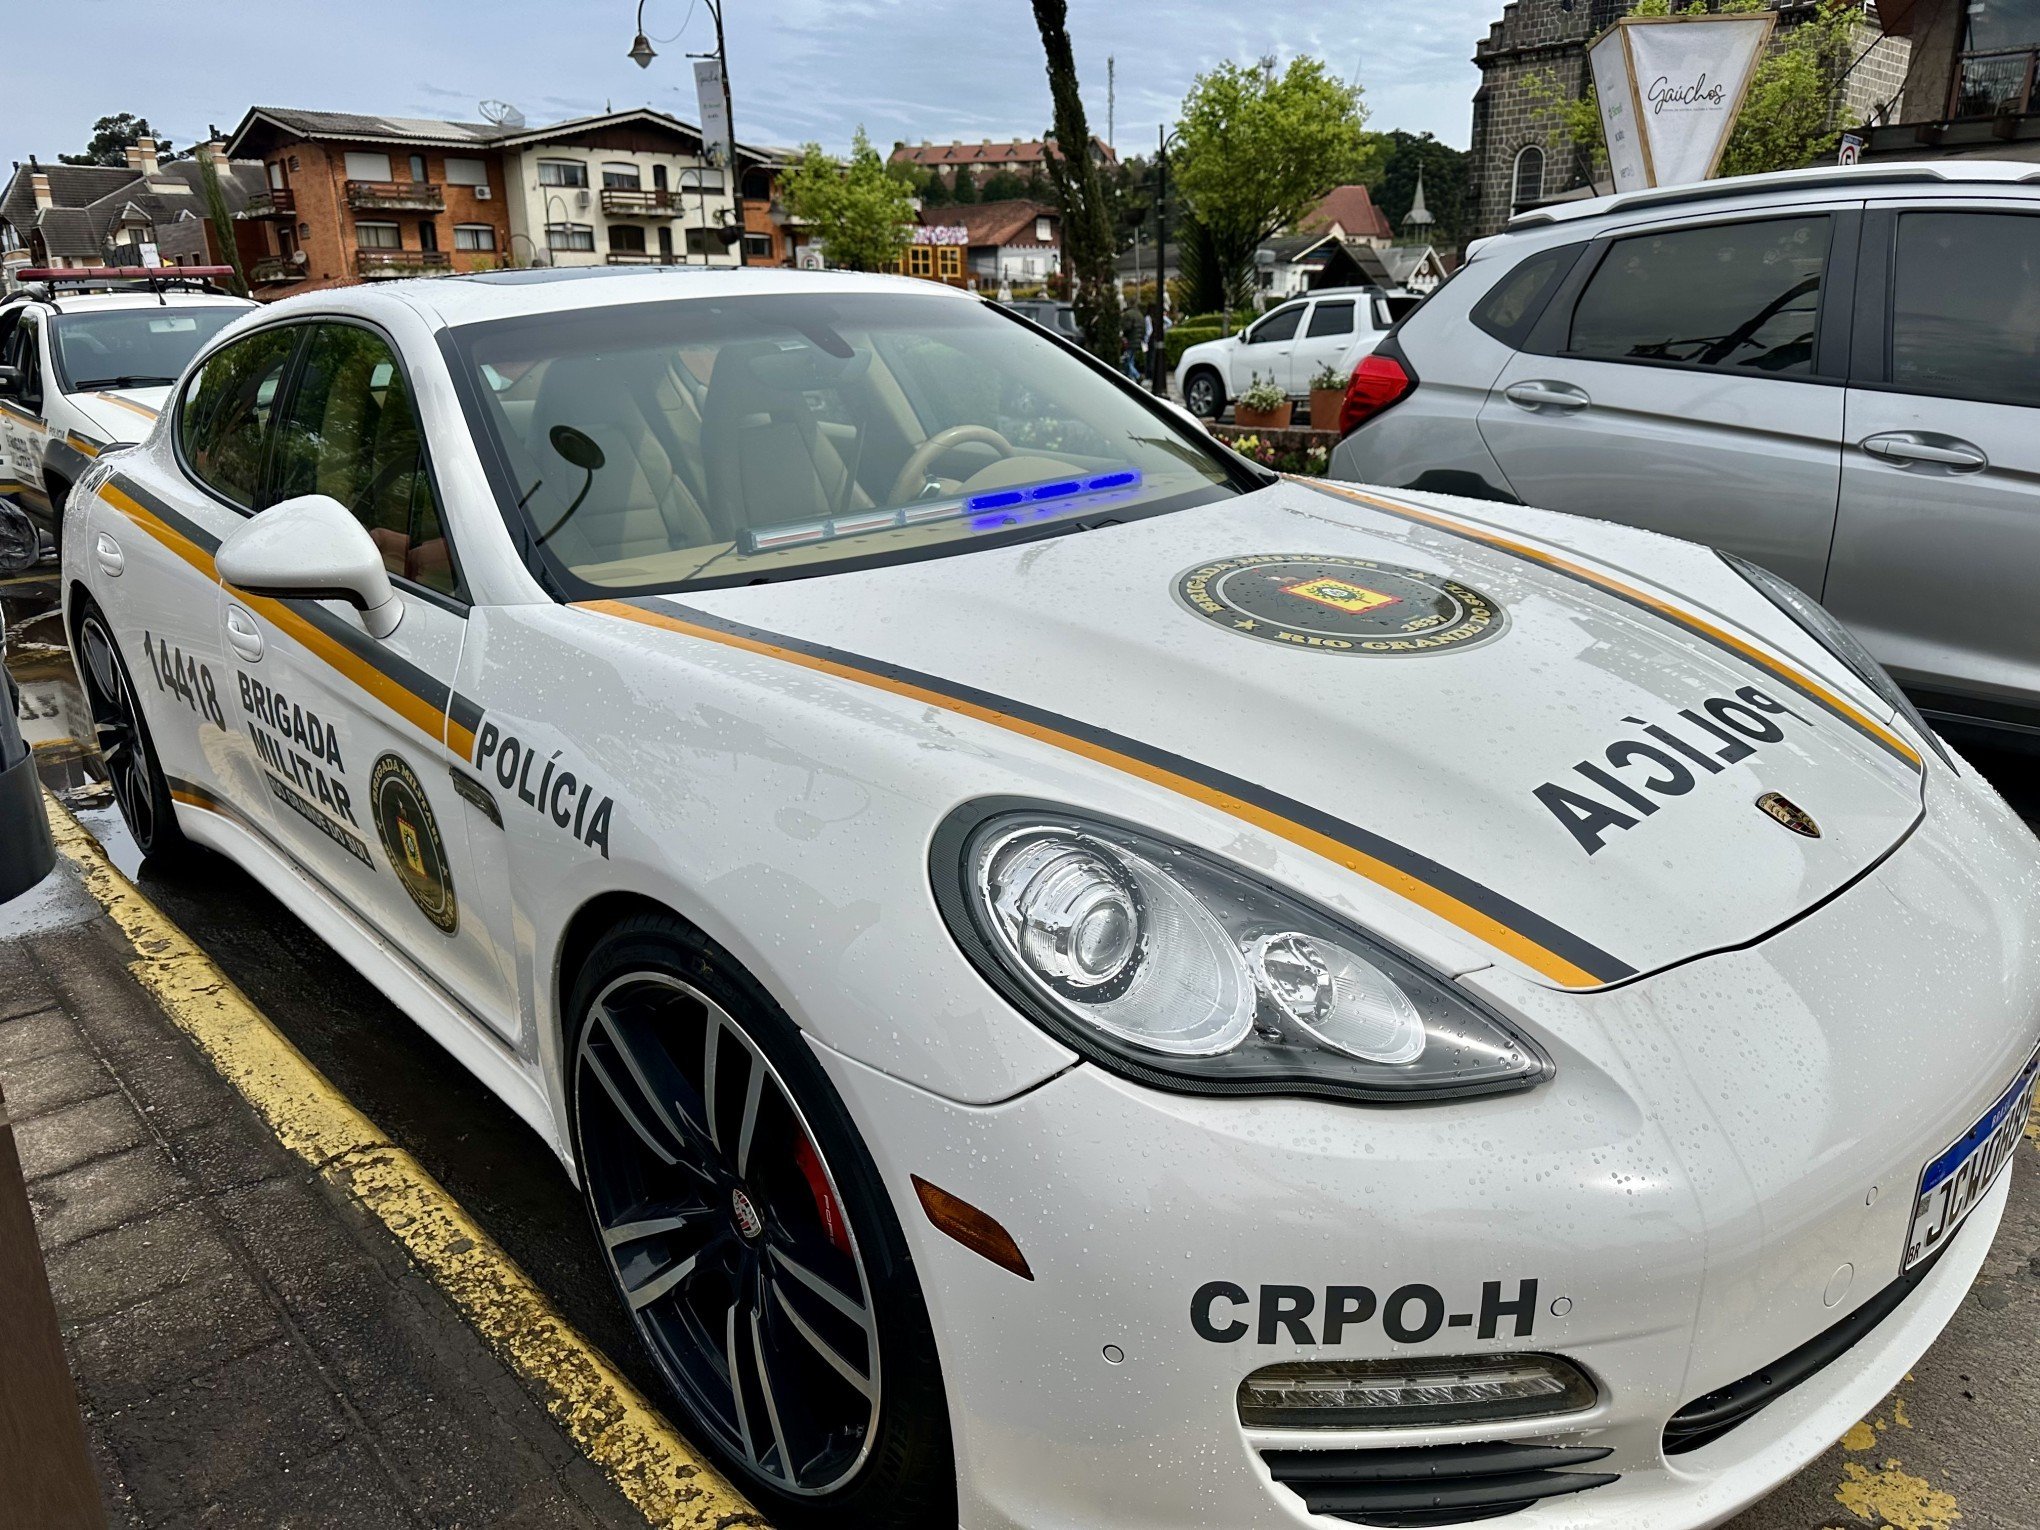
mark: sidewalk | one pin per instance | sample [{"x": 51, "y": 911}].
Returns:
[{"x": 251, "y": 1347}]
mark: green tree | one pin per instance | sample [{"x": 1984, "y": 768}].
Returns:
[
  {"x": 1003, "y": 186},
  {"x": 1394, "y": 186},
  {"x": 222, "y": 220},
  {"x": 963, "y": 188},
  {"x": 1790, "y": 118},
  {"x": 858, "y": 209},
  {"x": 1088, "y": 246},
  {"x": 113, "y": 136},
  {"x": 1260, "y": 147},
  {"x": 934, "y": 190}
]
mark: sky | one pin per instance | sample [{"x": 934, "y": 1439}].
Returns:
[{"x": 800, "y": 70}]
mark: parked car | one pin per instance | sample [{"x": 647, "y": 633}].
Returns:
[
  {"x": 1083, "y": 982},
  {"x": 1333, "y": 327},
  {"x": 1833, "y": 373},
  {"x": 86, "y": 360},
  {"x": 26, "y": 851},
  {"x": 1049, "y": 314}
]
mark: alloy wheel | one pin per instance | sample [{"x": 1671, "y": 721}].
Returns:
[
  {"x": 117, "y": 728},
  {"x": 1201, "y": 395},
  {"x": 726, "y": 1233}
]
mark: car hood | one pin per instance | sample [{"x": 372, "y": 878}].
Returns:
[
  {"x": 1567, "y": 764},
  {"x": 121, "y": 414}
]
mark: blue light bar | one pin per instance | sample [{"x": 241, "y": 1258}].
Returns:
[{"x": 981, "y": 509}]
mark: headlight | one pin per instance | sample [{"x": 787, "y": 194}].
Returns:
[
  {"x": 1176, "y": 970},
  {"x": 1813, "y": 619}
]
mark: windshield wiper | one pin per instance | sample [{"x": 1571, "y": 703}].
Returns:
[{"x": 126, "y": 380}]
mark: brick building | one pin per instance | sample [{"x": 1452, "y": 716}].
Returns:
[
  {"x": 1519, "y": 157},
  {"x": 358, "y": 198},
  {"x": 1025, "y": 157}
]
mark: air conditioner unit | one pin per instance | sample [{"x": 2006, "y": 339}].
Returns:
[
  {"x": 483, "y": 193},
  {"x": 582, "y": 199}
]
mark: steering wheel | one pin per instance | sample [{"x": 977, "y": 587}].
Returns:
[{"x": 931, "y": 451}]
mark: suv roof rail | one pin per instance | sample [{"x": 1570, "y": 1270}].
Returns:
[{"x": 1904, "y": 173}]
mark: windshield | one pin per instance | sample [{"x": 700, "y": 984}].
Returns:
[
  {"x": 132, "y": 347},
  {"x": 676, "y": 445}
]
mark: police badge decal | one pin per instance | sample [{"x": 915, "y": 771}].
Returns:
[
  {"x": 410, "y": 838},
  {"x": 1339, "y": 605}
]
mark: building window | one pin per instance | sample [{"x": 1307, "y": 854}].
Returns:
[
  {"x": 293, "y": 162},
  {"x": 304, "y": 231},
  {"x": 666, "y": 242},
  {"x": 378, "y": 236},
  {"x": 417, "y": 167},
  {"x": 709, "y": 179},
  {"x": 1042, "y": 232},
  {"x": 920, "y": 260},
  {"x": 473, "y": 236},
  {"x": 757, "y": 185},
  {"x": 466, "y": 172},
  {"x": 758, "y": 246},
  {"x": 569, "y": 236},
  {"x": 367, "y": 167},
  {"x": 562, "y": 172},
  {"x": 626, "y": 239},
  {"x": 949, "y": 260},
  {"x": 428, "y": 234},
  {"x": 1529, "y": 178},
  {"x": 622, "y": 177},
  {"x": 658, "y": 177}
]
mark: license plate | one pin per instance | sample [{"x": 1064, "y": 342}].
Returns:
[{"x": 1955, "y": 1180}]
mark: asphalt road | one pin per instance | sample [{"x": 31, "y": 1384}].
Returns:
[{"x": 1957, "y": 1444}]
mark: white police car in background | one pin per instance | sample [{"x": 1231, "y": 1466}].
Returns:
[
  {"x": 1085, "y": 984},
  {"x": 86, "y": 360}
]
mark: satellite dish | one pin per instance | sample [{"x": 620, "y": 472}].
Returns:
[{"x": 503, "y": 114}]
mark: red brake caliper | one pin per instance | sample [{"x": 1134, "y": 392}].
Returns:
[{"x": 827, "y": 1207}]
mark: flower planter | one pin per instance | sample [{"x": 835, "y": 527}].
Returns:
[
  {"x": 1262, "y": 419},
  {"x": 1324, "y": 407}
]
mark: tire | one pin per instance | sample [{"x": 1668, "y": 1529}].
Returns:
[
  {"x": 1204, "y": 393},
  {"x": 59, "y": 494},
  {"x": 122, "y": 734},
  {"x": 732, "y": 1198}
]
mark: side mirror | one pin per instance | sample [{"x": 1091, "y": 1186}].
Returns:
[
  {"x": 312, "y": 548},
  {"x": 10, "y": 380}
]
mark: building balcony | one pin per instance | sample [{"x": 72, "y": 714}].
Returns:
[
  {"x": 633, "y": 202},
  {"x": 276, "y": 271},
  {"x": 396, "y": 196},
  {"x": 371, "y": 264},
  {"x": 1993, "y": 85},
  {"x": 273, "y": 202},
  {"x": 638, "y": 258}
]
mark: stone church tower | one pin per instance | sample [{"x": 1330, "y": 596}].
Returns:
[{"x": 1520, "y": 157}]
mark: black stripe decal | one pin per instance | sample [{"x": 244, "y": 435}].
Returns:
[
  {"x": 1670, "y": 618},
  {"x": 1531, "y": 925}
]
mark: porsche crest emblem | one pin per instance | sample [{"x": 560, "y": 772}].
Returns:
[{"x": 1789, "y": 813}]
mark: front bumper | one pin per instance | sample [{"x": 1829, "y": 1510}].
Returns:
[{"x": 1723, "y": 1168}]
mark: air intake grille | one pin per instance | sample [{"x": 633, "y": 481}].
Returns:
[
  {"x": 1432, "y": 1484},
  {"x": 1706, "y": 1419}
]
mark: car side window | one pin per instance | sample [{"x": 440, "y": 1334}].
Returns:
[
  {"x": 1330, "y": 319},
  {"x": 1279, "y": 325},
  {"x": 223, "y": 416},
  {"x": 24, "y": 354},
  {"x": 352, "y": 432},
  {"x": 1515, "y": 303},
  {"x": 1740, "y": 297},
  {"x": 1965, "y": 306}
]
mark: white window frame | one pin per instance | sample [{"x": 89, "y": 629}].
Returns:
[
  {"x": 466, "y": 172},
  {"x": 565, "y": 237},
  {"x": 703, "y": 178},
  {"x": 396, "y": 231},
  {"x": 577, "y": 167},
  {"x": 487, "y": 231},
  {"x": 360, "y": 161},
  {"x": 622, "y": 167}
]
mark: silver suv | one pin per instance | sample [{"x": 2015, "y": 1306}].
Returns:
[{"x": 1833, "y": 373}]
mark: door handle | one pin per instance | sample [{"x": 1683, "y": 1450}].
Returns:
[
  {"x": 1910, "y": 448},
  {"x": 108, "y": 555},
  {"x": 243, "y": 636},
  {"x": 1563, "y": 397}
]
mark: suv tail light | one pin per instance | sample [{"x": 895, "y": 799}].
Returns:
[{"x": 1382, "y": 379}]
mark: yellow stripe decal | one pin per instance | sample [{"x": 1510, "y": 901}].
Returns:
[
  {"x": 1499, "y": 925},
  {"x": 127, "y": 403},
  {"x": 609, "y": 1420},
  {"x": 1796, "y": 678}
]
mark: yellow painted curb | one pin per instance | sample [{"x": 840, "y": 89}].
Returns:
[{"x": 607, "y": 1418}]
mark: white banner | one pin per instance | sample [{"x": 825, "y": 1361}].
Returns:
[
  {"x": 1670, "y": 88},
  {"x": 717, "y": 142}
]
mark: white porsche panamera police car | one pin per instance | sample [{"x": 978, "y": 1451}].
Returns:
[{"x": 1085, "y": 984}]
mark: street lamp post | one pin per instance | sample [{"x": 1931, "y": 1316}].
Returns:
[{"x": 641, "y": 54}]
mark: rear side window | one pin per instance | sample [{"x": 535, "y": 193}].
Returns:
[
  {"x": 223, "y": 418},
  {"x": 1965, "y": 306},
  {"x": 1331, "y": 319},
  {"x": 1741, "y": 297},
  {"x": 1518, "y": 298}
]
